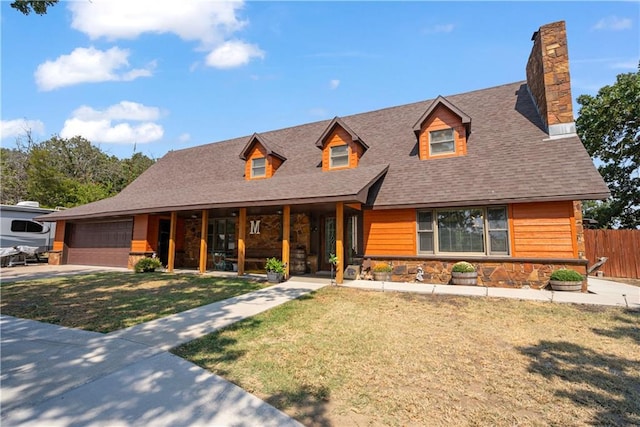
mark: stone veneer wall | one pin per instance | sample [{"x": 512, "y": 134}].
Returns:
[
  {"x": 502, "y": 273},
  {"x": 269, "y": 239},
  {"x": 55, "y": 258},
  {"x": 548, "y": 74}
]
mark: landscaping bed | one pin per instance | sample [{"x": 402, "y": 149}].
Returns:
[{"x": 349, "y": 357}]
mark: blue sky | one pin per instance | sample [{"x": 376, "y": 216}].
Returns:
[{"x": 166, "y": 75}]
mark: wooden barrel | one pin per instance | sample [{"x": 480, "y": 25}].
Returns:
[{"x": 298, "y": 259}]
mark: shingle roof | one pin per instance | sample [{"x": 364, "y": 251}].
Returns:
[{"x": 509, "y": 159}]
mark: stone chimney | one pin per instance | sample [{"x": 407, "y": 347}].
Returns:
[{"x": 548, "y": 79}]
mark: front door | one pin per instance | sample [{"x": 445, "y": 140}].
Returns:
[
  {"x": 164, "y": 229},
  {"x": 328, "y": 242}
]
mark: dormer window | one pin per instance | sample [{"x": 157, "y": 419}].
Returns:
[
  {"x": 441, "y": 142},
  {"x": 341, "y": 147},
  {"x": 339, "y": 156},
  {"x": 258, "y": 167},
  {"x": 442, "y": 131},
  {"x": 262, "y": 157}
]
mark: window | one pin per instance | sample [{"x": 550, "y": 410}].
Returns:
[
  {"x": 425, "y": 232},
  {"x": 479, "y": 231},
  {"x": 258, "y": 167},
  {"x": 19, "y": 225},
  {"x": 339, "y": 156},
  {"x": 441, "y": 142},
  {"x": 221, "y": 235}
]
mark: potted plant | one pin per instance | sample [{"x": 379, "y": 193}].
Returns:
[
  {"x": 275, "y": 270},
  {"x": 333, "y": 260},
  {"x": 382, "y": 272},
  {"x": 147, "y": 265},
  {"x": 464, "y": 273},
  {"x": 566, "y": 280}
]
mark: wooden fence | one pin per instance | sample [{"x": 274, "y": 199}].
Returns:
[{"x": 622, "y": 247}]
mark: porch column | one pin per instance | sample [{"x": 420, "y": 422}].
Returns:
[
  {"x": 339, "y": 244},
  {"x": 242, "y": 234},
  {"x": 203, "y": 241},
  {"x": 286, "y": 226},
  {"x": 172, "y": 241}
]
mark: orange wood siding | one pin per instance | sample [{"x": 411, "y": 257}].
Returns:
[
  {"x": 340, "y": 136},
  {"x": 139, "y": 240},
  {"x": 153, "y": 229},
  {"x": 390, "y": 232},
  {"x": 271, "y": 164},
  {"x": 443, "y": 118},
  {"x": 58, "y": 240},
  {"x": 543, "y": 230}
]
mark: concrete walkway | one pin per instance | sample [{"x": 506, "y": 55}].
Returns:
[
  {"x": 55, "y": 376},
  {"x": 601, "y": 292}
]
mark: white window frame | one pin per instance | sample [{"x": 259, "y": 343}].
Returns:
[
  {"x": 255, "y": 167},
  {"x": 333, "y": 158},
  {"x": 486, "y": 232},
  {"x": 452, "y": 141}
]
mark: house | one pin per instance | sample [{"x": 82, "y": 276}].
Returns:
[{"x": 494, "y": 176}]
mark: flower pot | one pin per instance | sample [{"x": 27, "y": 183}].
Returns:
[
  {"x": 561, "y": 285},
  {"x": 468, "y": 279},
  {"x": 273, "y": 277},
  {"x": 382, "y": 276}
]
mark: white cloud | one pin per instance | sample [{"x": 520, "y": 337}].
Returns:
[
  {"x": 111, "y": 125},
  {"x": 439, "y": 28},
  {"x": 233, "y": 54},
  {"x": 625, "y": 65},
  {"x": 185, "y": 137},
  {"x": 318, "y": 112},
  {"x": 85, "y": 65},
  {"x": 210, "y": 23},
  {"x": 613, "y": 23},
  {"x": 20, "y": 127},
  {"x": 333, "y": 84}
]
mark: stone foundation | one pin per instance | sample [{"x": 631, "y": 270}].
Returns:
[
  {"x": 492, "y": 273},
  {"x": 55, "y": 258},
  {"x": 134, "y": 257}
]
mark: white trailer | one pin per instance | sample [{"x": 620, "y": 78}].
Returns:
[{"x": 18, "y": 229}]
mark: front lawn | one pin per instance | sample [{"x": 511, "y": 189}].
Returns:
[
  {"x": 350, "y": 357},
  {"x": 106, "y": 302}
]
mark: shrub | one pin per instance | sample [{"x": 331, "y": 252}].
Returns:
[
  {"x": 274, "y": 265},
  {"x": 382, "y": 267},
  {"x": 463, "y": 267},
  {"x": 147, "y": 264},
  {"x": 565, "y": 275}
]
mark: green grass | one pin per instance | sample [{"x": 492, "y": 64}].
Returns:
[
  {"x": 349, "y": 357},
  {"x": 106, "y": 302}
]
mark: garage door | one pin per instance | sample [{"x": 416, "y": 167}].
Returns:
[{"x": 99, "y": 243}]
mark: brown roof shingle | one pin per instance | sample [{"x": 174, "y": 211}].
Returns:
[{"x": 509, "y": 159}]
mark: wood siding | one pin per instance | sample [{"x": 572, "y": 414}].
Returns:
[
  {"x": 622, "y": 247},
  {"x": 340, "y": 136},
  {"x": 543, "y": 230},
  {"x": 58, "y": 240},
  {"x": 390, "y": 232},
  {"x": 271, "y": 164},
  {"x": 140, "y": 239},
  {"x": 443, "y": 118}
]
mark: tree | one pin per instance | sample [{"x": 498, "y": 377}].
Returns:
[
  {"x": 65, "y": 172},
  {"x": 609, "y": 126},
  {"x": 37, "y": 6}
]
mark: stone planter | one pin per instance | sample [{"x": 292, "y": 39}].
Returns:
[
  {"x": 382, "y": 276},
  {"x": 468, "y": 279},
  {"x": 560, "y": 285},
  {"x": 273, "y": 277}
]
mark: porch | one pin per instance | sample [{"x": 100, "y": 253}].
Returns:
[{"x": 239, "y": 240}]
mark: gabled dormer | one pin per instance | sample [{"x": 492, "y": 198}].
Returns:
[
  {"x": 341, "y": 147},
  {"x": 262, "y": 157},
  {"x": 442, "y": 130}
]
